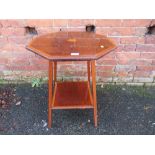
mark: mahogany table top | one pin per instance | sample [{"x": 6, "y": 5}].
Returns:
[{"x": 68, "y": 46}]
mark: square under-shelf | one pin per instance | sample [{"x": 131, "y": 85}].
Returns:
[{"x": 72, "y": 95}]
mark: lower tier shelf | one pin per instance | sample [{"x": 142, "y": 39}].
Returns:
[{"x": 72, "y": 95}]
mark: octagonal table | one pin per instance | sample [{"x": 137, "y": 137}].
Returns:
[{"x": 71, "y": 46}]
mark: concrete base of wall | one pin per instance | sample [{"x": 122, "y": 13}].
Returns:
[{"x": 27, "y": 76}]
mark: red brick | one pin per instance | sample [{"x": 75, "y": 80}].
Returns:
[
  {"x": 125, "y": 68},
  {"x": 19, "y": 40},
  {"x": 150, "y": 39},
  {"x": 3, "y": 61},
  {"x": 136, "y": 23},
  {"x": 121, "y": 31},
  {"x": 60, "y": 22},
  {"x": 19, "y": 48},
  {"x": 109, "y": 56},
  {"x": 72, "y": 22},
  {"x": 3, "y": 40},
  {"x": 87, "y": 21},
  {"x": 129, "y": 48},
  {"x": 39, "y": 22},
  {"x": 19, "y": 31},
  {"x": 6, "y": 47},
  {"x": 7, "y": 31},
  {"x": 122, "y": 74},
  {"x": 142, "y": 73},
  {"x": 75, "y": 22},
  {"x": 20, "y": 55},
  {"x": 106, "y": 62},
  {"x": 12, "y": 23},
  {"x": 142, "y": 22},
  {"x": 57, "y": 29},
  {"x": 153, "y": 62},
  {"x": 21, "y": 61},
  {"x": 106, "y": 74},
  {"x": 23, "y": 68},
  {"x": 44, "y": 30},
  {"x": 147, "y": 55},
  {"x": 66, "y": 67},
  {"x": 144, "y": 68},
  {"x": 142, "y": 62},
  {"x": 152, "y": 22},
  {"x": 140, "y": 31},
  {"x": 127, "y": 57},
  {"x": 102, "y": 31},
  {"x": 69, "y": 73},
  {"x": 128, "y": 22},
  {"x": 12, "y": 31},
  {"x": 70, "y": 70},
  {"x": 32, "y": 67},
  {"x": 153, "y": 68},
  {"x": 145, "y": 48},
  {"x": 108, "y": 22},
  {"x": 28, "y": 68},
  {"x": 105, "y": 68},
  {"x": 124, "y": 61},
  {"x": 74, "y": 62},
  {"x": 119, "y": 48},
  {"x": 4, "y": 67},
  {"x": 132, "y": 40},
  {"x": 43, "y": 67},
  {"x": 80, "y": 29},
  {"x": 38, "y": 61}
]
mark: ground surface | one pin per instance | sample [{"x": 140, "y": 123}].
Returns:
[{"x": 121, "y": 110}]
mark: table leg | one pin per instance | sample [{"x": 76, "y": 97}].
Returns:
[
  {"x": 50, "y": 79},
  {"x": 94, "y": 90},
  {"x": 55, "y": 71},
  {"x": 88, "y": 70}
]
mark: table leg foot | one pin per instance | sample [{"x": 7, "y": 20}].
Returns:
[
  {"x": 95, "y": 118},
  {"x": 49, "y": 118}
]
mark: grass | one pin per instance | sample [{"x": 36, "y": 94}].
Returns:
[
  {"x": 3, "y": 81},
  {"x": 141, "y": 91},
  {"x": 37, "y": 82}
]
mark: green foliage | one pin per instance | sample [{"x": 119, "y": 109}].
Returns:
[
  {"x": 36, "y": 82},
  {"x": 2, "y": 81}
]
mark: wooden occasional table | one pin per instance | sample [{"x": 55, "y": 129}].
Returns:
[{"x": 71, "y": 46}]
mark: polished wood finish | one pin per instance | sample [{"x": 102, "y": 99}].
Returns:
[
  {"x": 71, "y": 46},
  {"x": 50, "y": 93},
  {"x": 88, "y": 70},
  {"x": 55, "y": 70},
  {"x": 94, "y": 90},
  {"x": 72, "y": 95}
]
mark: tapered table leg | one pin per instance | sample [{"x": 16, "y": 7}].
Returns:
[
  {"x": 94, "y": 90},
  {"x": 88, "y": 70},
  {"x": 50, "y": 91},
  {"x": 55, "y": 71}
]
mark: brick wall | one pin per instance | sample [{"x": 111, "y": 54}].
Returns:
[{"x": 133, "y": 61}]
